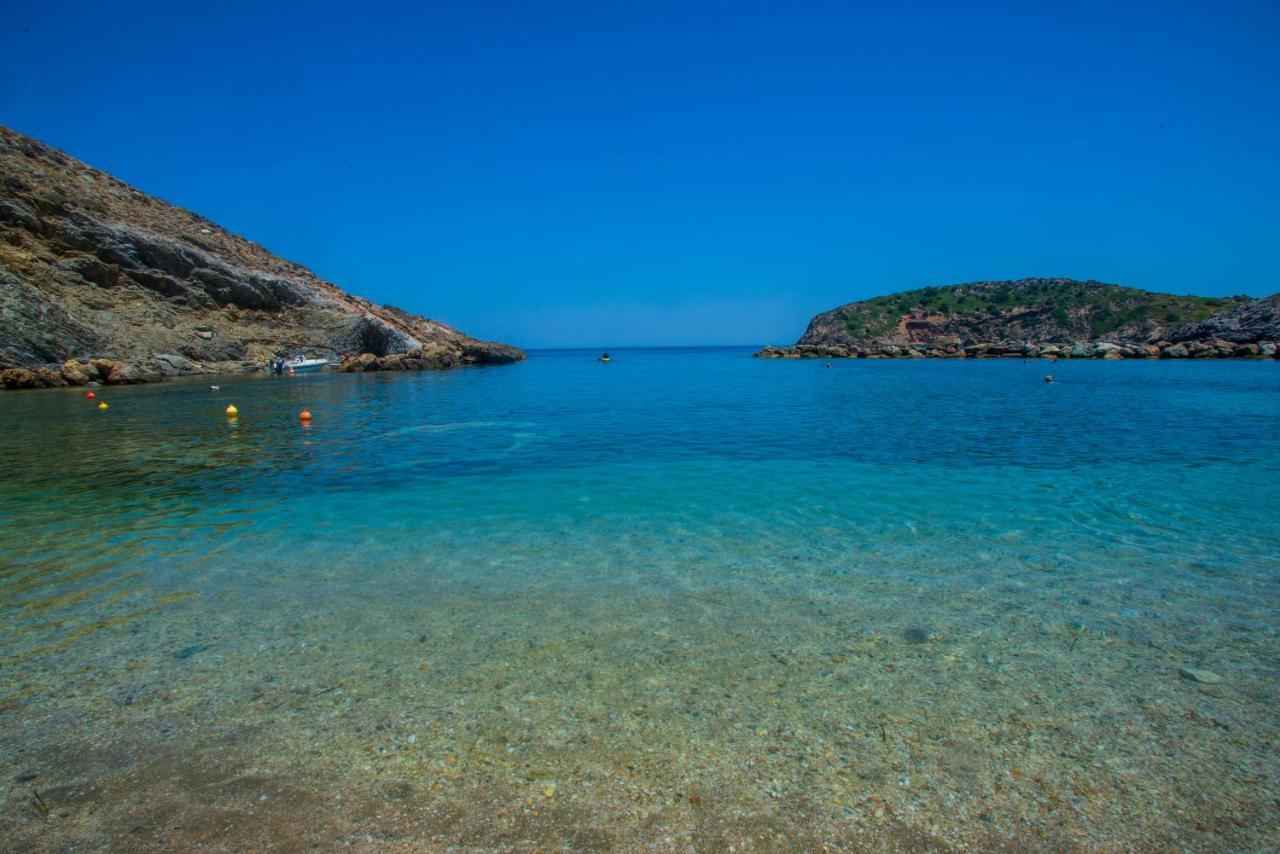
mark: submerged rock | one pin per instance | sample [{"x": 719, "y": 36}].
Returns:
[
  {"x": 1205, "y": 677},
  {"x": 915, "y": 634},
  {"x": 188, "y": 652}
]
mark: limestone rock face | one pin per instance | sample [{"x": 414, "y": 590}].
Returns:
[{"x": 91, "y": 268}]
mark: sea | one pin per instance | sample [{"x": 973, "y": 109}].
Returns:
[{"x": 683, "y": 600}]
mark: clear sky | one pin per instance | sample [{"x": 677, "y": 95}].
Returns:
[{"x": 607, "y": 174}]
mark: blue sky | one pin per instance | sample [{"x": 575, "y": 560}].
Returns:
[{"x": 608, "y": 174}]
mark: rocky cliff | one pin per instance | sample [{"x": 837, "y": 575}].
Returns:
[
  {"x": 93, "y": 269},
  {"x": 1032, "y": 317}
]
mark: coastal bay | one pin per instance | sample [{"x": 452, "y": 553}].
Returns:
[{"x": 688, "y": 598}]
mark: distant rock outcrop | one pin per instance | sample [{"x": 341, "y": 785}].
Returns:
[
  {"x": 1251, "y": 323},
  {"x": 1057, "y": 318},
  {"x": 91, "y": 268}
]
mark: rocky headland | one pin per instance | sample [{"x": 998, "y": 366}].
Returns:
[
  {"x": 1050, "y": 318},
  {"x": 100, "y": 282}
]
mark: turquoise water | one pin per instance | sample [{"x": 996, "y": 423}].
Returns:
[{"x": 684, "y": 599}]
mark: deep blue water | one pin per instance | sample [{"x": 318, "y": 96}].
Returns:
[{"x": 743, "y": 505}]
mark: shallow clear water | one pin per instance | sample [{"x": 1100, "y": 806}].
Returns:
[{"x": 668, "y": 599}]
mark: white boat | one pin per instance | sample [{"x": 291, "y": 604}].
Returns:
[{"x": 298, "y": 365}]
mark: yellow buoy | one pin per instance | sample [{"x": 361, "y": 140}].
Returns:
[
  {"x": 232, "y": 411},
  {"x": 102, "y": 405}
]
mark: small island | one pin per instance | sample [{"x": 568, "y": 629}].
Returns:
[{"x": 1041, "y": 317}]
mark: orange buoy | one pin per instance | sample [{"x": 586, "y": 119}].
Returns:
[
  {"x": 90, "y": 395},
  {"x": 304, "y": 415}
]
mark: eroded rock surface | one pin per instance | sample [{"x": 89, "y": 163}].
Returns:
[{"x": 91, "y": 268}]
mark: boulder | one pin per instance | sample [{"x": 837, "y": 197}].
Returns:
[
  {"x": 48, "y": 378},
  {"x": 74, "y": 373},
  {"x": 135, "y": 373},
  {"x": 360, "y": 363},
  {"x": 37, "y": 378},
  {"x": 393, "y": 362},
  {"x": 108, "y": 370},
  {"x": 18, "y": 378},
  {"x": 1177, "y": 351},
  {"x": 171, "y": 366}
]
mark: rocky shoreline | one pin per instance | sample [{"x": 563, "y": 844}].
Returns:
[
  {"x": 88, "y": 372},
  {"x": 96, "y": 372},
  {"x": 1213, "y": 348}
]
